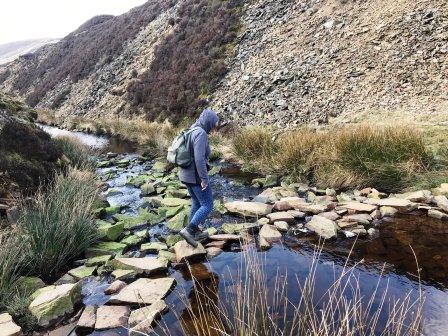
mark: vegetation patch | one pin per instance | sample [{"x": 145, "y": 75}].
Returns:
[{"x": 189, "y": 64}]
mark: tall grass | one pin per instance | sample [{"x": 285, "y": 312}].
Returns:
[
  {"x": 58, "y": 226},
  {"x": 79, "y": 154},
  {"x": 251, "y": 307},
  {"x": 386, "y": 157}
]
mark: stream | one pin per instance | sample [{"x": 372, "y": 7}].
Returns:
[{"x": 387, "y": 256}]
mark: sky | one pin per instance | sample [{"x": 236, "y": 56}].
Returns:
[{"x": 31, "y": 19}]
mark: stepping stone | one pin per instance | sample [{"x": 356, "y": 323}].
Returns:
[
  {"x": 52, "y": 302},
  {"x": 175, "y": 202},
  {"x": 442, "y": 202},
  {"x": 280, "y": 216},
  {"x": 153, "y": 247},
  {"x": 86, "y": 323},
  {"x": 324, "y": 227},
  {"x": 98, "y": 261},
  {"x": 363, "y": 219},
  {"x": 233, "y": 228},
  {"x": 313, "y": 208},
  {"x": 331, "y": 215},
  {"x": 359, "y": 207},
  {"x": 140, "y": 265},
  {"x": 437, "y": 214},
  {"x": 248, "y": 209},
  {"x": 8, "y": 327},
  {"x": 121, "y": 274},
  {"x": 143, "y": 319},
  {"x": 387, "y": 211},
  {"x": 82, "y": 272},
  {"x": 217, "y": 243},
  {"x": 270, "y": 233},
  {"x": 115, "y": 287},
  {"x": 105, "y": 248},
  {"x": 225, "y": 237},
  {"x": 185, "y": 252},
  {"x": 143, "y": 291},
  {"x": 402, "y": 205},
  {"x": 282, "y": 226},
  {"x": 293, "y": 202},
  {"x": 170, "y": 256},
  {"x": 109, "y": 317}
]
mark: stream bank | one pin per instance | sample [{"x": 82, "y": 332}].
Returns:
[{"x": 292, "y": 254}]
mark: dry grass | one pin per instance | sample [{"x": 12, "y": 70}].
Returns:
[
  {"x": 386, "y": 157},
  {"x": 251, "y": 306},
  {"x": 79, "y": 154}
]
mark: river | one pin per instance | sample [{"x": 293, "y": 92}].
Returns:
[{"x": 386, "y": 258}]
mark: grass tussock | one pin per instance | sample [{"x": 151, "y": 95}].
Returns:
[
  {"x": 79, "y": 154},
  {"x": 57, "y": 226},
  {"x": 254, "y": 305},
  {"x": 390, "y": 158}
]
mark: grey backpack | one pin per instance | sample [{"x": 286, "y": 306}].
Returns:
[{"x": 181, "y": 152}]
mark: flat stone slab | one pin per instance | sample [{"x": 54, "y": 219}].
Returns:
[
  {"x": 437, "y": 214},
  {"x": 185, "y": 251},
  {"x": 142, "y": 319},
  {"x": 359, "y": 207},
  {"x": 8, "y": 327},
  {"x": 402, "y": 205},
  {"x": 248, "y": 209},
  {"x": 217, "y": 243},
  {"x": 225, "y": 237},
  {"x": 141, "y": 265},
  {"x": 293, "y": 202},
  {"x": 281, "y": 216},
  {"x": 442, "y": 202},
  {"x": 109, "y": 317},
  {"x": 213, "y": 251},
  {"x": 86, "y": 323},
  {"x": 82, "y": 272},
  {"x": 313, "y": 208},
  {"x": 282, "y": 226},
  {"x": 143, "y": 291},
  {"x": 324, "y": 227}
]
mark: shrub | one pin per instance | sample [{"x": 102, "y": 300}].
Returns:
[
  {"x": 79, "y": 154},
  {"x": 58, "y": 226},
  {"x": 188, "y": 65}
]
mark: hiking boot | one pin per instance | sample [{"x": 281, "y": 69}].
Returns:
[{"x": 189, "y": 237}]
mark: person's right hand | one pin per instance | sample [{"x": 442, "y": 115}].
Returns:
[{"x": 203, "y": 185}]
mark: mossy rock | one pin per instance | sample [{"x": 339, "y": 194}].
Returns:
[
  {"x": 215, "y": 170},
  {"x": 138, "y": 181},
  {"x": 153, "y": 247},
  {"x": 232, "y": 228},
  {"x": 98, "y": 261},
  {"x": 178, "y": 222},
  {"x": 132, "y": 240},
  {"x": 121, "y": 274},
  {"x": 175, "y": 202},
  {"x": 148, "y": 189},
  {"x": 160, "y": 166},
  {"x": 144, "y": 217},
  {"x": 218, "y": 205},
  {"x": 82, "y": 272},
  {"x": 29, "y": 284},
  {"x": 105, "y": 248},
  {"x": 108, "y": 231},
  {"x": 123, "y": 163},
  {"x": 170, "y": 256},
  {"x": 173, "y": 192},
  {"x": 104, "y": 164},
  {"x": 171, "y": 240}
]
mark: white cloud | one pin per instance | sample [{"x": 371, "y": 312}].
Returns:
[{"x": 29, "y": 19}]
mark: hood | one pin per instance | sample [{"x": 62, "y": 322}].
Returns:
[{"x": 207, "y": 120}]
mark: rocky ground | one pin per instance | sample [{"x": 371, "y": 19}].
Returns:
[{"x": 144, "y": 206}]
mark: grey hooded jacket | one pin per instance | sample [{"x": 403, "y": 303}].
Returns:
[{"x": 197, "y": 171}]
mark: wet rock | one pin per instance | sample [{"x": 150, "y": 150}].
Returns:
[
  {"x": 332, "y": 215},
  {"x": 97, "y": 261},
  {"x": 442, "y": 202},
  {"x": 144, "y": 217},
  {"x": 153, "y": 247},
  {"x": 402, "y": 205},
  {"x": 109, "y": 317},
  {"x": 108, "y": 231},
  {"x": 86, "y": 323},
  {"x": 170, "y": 256},
  {"x": 82, "y": 272},
  {"x": 387, "y": 211},
  {"x": 105, "y": 248},
  {"x": 421, "y": 196},
  {"x": 437, "y": 214},
  {"x": 143, "y": 319},
  {"x": 178, "y": 222},
  {"x": 270, "y": 233},
  {"x": 148, "y": 189},
  {"x": 217, "y": 243},
  {"x": 143, "y": 291},
  {"x": 115, "y": 287},
  {"x": 213, "y": 252},
  {"x": 281, "y": 216},
  {"x": 186, "y": 252},
  {"x": 248, "y": 209},
  {"x": 121, "y": 274},
  {"x": 313, "y": 208},
  {"x": 152, "y": 202},
  {"x": 225, "y": 237},
  {"x": 359, "y": 231},
  {"x": 53, "y": 302},
  {"x": 376, "y": 214},
  {"x": 171, "y": 240},
  {"x": 8, "y": 327},
  {"x": 363, "y": 219},
  {"x": 132, "y": 240},
  {"x": 232, "y": 228},
  {"x": 140, "y": 265},
  {"x": 359, "y": 207},
  {"x": 281, "y": 226},
  {"x": 65, "y": 279},
  {"x": 218, "y": 205},
  {"x": 324, "y": 227},
  {"x": 174, "y": 202},
  {"x": 211, "y": 231}
]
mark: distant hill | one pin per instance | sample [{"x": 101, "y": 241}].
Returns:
[
  {"x": 11, "y": 51},
  {"x": 282, "y": 62}
]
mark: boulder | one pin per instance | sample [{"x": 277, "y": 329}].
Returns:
[
  {"x": 282, "y": 206},
  {"x": 105, "y": 248},
  {"x": 132, "y": 240},
  {"x": 248, "y": 209},
  {"x": 281, "y": 216},
  {"x": 109, "y": 317},
  {"x": 281, "y": 226},
  {"x": 140, "y": 265},
  {"x": 143, "y": 291},
  {"x": 65, "y": 279},
  {"x": 82, "y": 272},
  {"x": 52, "y": 302},
  {"x": 8, "y": 327},
  {"x": 270, "y": 233},
  {"x": 86, "y": 323},
  {"x": 359, "y": 207},
  {"x": 442, "y": 202},
  {"x": 142, "y": 320},
  {"x": 108, "y": 231},
  {"x": 437, "y": 214},
  {"x": 324, "y": 227},
  {"x": 185, "y": 251},
  {"x": 115, "y": 287}
]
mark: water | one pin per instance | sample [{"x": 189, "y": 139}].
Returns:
[{"x": 387, "y": 258}]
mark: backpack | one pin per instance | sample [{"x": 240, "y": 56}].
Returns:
[{"x": 180, "y": 152}]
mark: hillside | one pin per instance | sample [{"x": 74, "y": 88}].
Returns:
[
  {"x": 280, "y": 62},
  {"x": 11, "y": 51}
]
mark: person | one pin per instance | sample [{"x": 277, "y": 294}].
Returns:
[{"x": 195, "y": 177}]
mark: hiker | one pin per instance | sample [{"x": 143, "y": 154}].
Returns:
[{"x": 195, "y": 177}]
